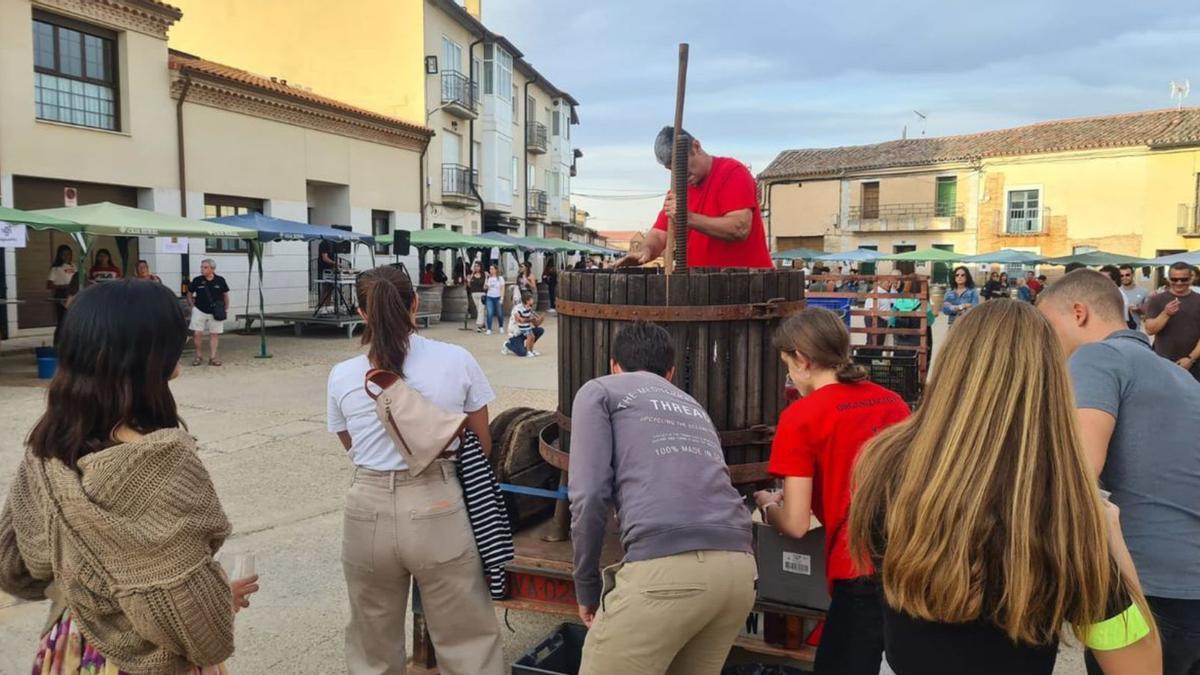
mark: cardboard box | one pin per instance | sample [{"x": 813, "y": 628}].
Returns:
[{"x": 791, "y": 571}]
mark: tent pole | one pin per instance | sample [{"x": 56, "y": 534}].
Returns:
[
  {"x": 250, "y": 247},
  {"x": 256, "y": 248}
]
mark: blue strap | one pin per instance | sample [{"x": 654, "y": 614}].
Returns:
[{"x": 560, "y": 493}]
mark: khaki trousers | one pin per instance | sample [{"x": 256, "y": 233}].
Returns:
[
  {"x": 398, "y": 527},
  {"x": 679, "y": 614}
]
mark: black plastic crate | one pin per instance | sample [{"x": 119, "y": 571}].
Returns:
[
  {"x": 558, "y": 654},
  {"x": 896, "y": 372}
]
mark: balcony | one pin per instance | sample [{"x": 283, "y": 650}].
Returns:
[
  {"x": 457, "y": 181},
  {"x": 535, "y": 138},
  {"x": 460, "y": 96},
  {"x": 1188, "y": 220},
  {"x": 922, "y": 217},
  {"x": 537, "y": 204}
]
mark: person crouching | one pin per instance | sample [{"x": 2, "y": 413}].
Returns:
[
  {"x": 642, "y": 445},
  {"x": 524, "y": 329}
]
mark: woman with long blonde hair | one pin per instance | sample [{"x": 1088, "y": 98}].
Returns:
[{"x": 982, "y": 520}]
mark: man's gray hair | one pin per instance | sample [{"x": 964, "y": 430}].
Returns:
[
  {"x": 212, "y": 263},
  {"x": 665, "y": 143}
]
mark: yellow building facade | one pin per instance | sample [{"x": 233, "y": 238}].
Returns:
[
  {"x": 1126, "y": 184},
  {"x": 368, "y": 52}
]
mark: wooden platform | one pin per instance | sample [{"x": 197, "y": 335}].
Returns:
[
  {"x": 305, "y": 318},
  {"x": 540, "y": 579}
]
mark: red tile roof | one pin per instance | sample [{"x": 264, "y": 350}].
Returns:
[
  {"x": 1156, "y": 129},
  {"x": 188, "y": 63},
  {"x": 619, "y": 235}
]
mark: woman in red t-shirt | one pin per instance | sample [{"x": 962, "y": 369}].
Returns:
[
  {"x": 816, "y": 443},
  {"x": 103, "y": 268}
]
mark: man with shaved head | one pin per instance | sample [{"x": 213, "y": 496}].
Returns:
[
  {"x": 1139, "y": 420},
  {"x": 725, "y": 226}
]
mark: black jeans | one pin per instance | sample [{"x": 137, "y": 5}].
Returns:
[
  {"x": 1179, "y": 625},
  {"x": 852, "y": 642}
]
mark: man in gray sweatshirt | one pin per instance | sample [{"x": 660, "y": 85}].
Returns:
[{"x": 640, "y": 444}]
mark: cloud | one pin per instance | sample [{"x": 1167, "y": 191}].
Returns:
[{"x": 767, "y": 75}]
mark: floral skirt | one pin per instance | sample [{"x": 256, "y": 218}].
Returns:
[{"x": 64, "y": 651}]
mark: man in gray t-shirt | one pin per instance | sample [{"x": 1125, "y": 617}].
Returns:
[
  {"x": 1139, "y": 421},
  {"x": 1135, "y": 296}
]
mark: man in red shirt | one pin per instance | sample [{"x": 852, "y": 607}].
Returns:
[{"x": 725, "y": 227}]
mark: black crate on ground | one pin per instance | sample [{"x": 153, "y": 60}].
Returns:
[
  {"x": 897, "y": 372},
  {"x": 558, "y": 654}
]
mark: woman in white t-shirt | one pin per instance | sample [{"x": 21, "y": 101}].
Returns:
[
  {"x": 62, "y": 284},
  {"x": 493, "y": 288},
  {"x": 398, "y": 526}
]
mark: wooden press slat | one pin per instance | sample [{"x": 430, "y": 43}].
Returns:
[
  {"x": 600, "y": 356},
  {"x": 677, "y": 296},
  {"x": 754, "y": 364},
  {"x": 698, "y": 344},
  {"x": 587, "y": 337},
  {"x": 718, "y": 356},
  {"x": 739, "y": 294}
]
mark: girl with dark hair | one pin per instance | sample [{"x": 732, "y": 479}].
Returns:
[
  {"x": 113, "y": 505},
  {"x": 493, "y": 295},
  {"x": 103, "y": 267},
  {"x": 62, "y": 284},
  {"x": 817, "y": 441},
  {"x": 398, "y": 526},
  {"x": 962, "y": 297}
]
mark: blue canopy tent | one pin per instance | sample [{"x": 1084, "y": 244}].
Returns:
[
  {"x": 279, "y": 229},
  {"x": 1096, "y": 259}
]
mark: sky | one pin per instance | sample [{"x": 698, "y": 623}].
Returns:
[{"x": 770, "y": 75}]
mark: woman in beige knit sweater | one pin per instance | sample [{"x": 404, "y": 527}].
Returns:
[{"x": 112, "y": 516}]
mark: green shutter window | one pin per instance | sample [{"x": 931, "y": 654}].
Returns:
[{"x": 947, "y": 197}]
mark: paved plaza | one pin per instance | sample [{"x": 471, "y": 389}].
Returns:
[{"x": 282, "y": 477}]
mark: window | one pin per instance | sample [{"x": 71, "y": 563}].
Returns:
[
  {"x": 381, "y": 223},
  {"x": 946, "y": 205},
  {"x": 516, "y": 169},
  {"x": 75, "y": 68},
  {"x": 515, "y": 98},
  {"x": 532, "y": 174},
  {"x": 552, "y": 186},
  {"x": 556, "y": 124},
  {"x": 504, "y": 78},
  {"x": 870, "y": 200},
  {"x": 1024, "y": 212},
  {"x": 530, "y": 109},
  {"x": 219, "y": 206},
  {"x": 487, "y": 68},
  {"x": 452, "y": 53}
]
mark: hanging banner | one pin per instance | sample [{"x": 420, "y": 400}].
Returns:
[
  {"x": 12, "y": 235},
  {"x": 174, "y": 244}
]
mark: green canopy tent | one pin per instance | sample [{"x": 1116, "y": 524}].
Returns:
[
  {"x": 38, "y": 221},
  {"x": 114, "y": 220},
  {"x": 1096, "y": 259}
]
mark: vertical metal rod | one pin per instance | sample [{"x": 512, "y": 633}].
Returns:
[{"x": 677, "y": 235}]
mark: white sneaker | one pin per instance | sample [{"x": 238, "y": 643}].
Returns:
[
  {"x": 489, "y": 331},
  {"x": 535, "y": 352},
  {"x": 504, "y": 351},
  {"x": 531, "y": 355}
]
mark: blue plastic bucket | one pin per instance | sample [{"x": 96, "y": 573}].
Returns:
[
  {"x": 839, "y": 306},
  {"x": 46, "y": 367},
  {"x": 43, "y": 352}
]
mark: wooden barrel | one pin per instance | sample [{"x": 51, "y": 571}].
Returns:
[
  {"x": 721, "y": 322},
  {"x": 454, "y": 304},
  {"x": 430, "y": 301}
]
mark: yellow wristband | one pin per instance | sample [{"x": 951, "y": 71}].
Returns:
[{"x": 1120, "y": 631}]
